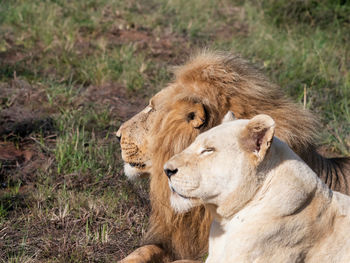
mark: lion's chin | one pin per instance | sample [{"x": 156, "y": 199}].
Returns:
[
  {"x": 134, "y": 173},
  {"x": 180, "y": 204}
]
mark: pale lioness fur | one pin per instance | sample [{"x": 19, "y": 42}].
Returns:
[
  {"x": 203, "y": 90},
  {"x": 268, "y": 205}
]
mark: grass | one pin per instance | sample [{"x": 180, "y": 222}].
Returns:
[
  {"x": 305, "y": 54},
  {"x": 78, "y": 69}
]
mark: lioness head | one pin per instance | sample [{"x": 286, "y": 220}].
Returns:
[{"x": 221, "y": 165}]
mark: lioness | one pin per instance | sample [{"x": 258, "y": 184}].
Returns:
[{"x": 267, "y": 204}]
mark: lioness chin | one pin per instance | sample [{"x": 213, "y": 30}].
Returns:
[{"x": 267, "y": 204}]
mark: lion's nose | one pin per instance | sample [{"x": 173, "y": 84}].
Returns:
[
  {"x": 119, "y": 133},
  {"x": 170, "y": 171}
]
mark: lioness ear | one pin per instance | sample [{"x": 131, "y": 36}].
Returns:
[
  {"x": 256, "y": 138},
  {"x": 197, "y": 115},
  {"x": 229, "y": 116}
]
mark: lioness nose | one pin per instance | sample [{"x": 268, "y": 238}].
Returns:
[{"x": 170, "y": 172}]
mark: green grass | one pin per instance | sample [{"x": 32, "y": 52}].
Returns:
[
  {"x": 300, "y": 54},
  {"x": 79, "y": 150},
  {"x": 79, "y": 63}
]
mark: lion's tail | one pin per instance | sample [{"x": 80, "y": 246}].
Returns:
[{"x": 334, "y": 172}]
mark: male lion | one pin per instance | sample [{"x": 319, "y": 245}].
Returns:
[
  {"x": 203, "y": 91},
  {"x": 267, "y": 204}
]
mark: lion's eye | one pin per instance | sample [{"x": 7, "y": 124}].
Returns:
[{"x": 207, "y": 150}]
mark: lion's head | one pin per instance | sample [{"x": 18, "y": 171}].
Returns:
[
  {"x": 186, "y": 107},
  {"x": 170, "y": 111},
  {"x": 134, "y": 138},
  {"x": 221, "y": 165}
]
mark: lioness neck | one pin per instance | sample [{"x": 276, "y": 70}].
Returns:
[{"x": 290, "y": 204}]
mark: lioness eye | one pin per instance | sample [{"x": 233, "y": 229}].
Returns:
[{"x": 207, "y": 150}]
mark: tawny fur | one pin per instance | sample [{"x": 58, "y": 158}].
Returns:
[{"x": 220, "y": 82}]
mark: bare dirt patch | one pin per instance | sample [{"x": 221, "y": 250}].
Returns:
[
  {"x": 22, "y": 114},
  {"x": 23, "y": 109},
  {"x": 164, "y": 46},
  {"x": 121, "y": 103}
]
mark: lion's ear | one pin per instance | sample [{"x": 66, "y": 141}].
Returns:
[
  {"x": 197, "y": 115},
  {"x": 257, "y": 136},
  {"x": 229, "y": 116}
]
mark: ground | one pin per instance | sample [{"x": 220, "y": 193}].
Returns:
[{"x": 72, "y": 71}]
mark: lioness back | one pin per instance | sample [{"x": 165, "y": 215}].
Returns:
[{"x": 336, "y": 246}]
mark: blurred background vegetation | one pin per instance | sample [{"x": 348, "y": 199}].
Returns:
[{"x": 72, "y": 71}]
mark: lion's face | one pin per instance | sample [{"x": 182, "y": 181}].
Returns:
[
  {"x": 139, "y": 135},
  {"x": 134, "y": 139},
  {"x": 219, "y": 163}
]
